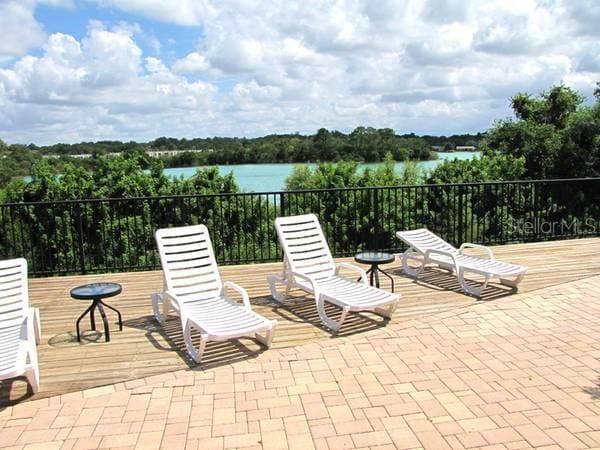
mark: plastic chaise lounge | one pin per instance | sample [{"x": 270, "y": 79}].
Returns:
[
  {"x": 19, "y": 325},
  {"x": 425, "y": 247},
  {"x": 193, "y": 288},
  {"x": 309, "y": 266}
]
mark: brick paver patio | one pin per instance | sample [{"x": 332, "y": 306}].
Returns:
[{"x": 514, "y": 373}]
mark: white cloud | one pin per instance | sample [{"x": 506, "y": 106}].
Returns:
[
  {"x": 585, "y": 15},
  {"x": 193, "y": 63},
  {"x": 588, "y": 57},
  {"x": 20, "y": 30},
  {"x": 266, "y": 67},
  {"x": 95, "y": 89},
  {"x": 451, "y": 43},
  {"x": 445, "y": 11},
  {"x": 112, "y": 57},
  {"x": 180, "y": 12},
  {"x": 517, "y": 28}
]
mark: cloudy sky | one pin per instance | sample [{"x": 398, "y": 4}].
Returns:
[{"x": 73, "y": 70}]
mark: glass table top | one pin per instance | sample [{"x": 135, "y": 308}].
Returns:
[
  {"x": 374, "y": 257},
  {"x": 95, "y": 290}
]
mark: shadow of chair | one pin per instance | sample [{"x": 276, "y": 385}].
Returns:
[
  {"x": 442, "y": 280},
  {"x": 594, "y": 391},
  {"x": 217, "y": 353},
  {"x": 6, "y": 387},
  {"x": 301, "y": 308}
]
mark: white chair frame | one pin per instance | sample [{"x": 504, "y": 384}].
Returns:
[
  {"x": 20, "y": 330},
  {"x": 309, "y": 266},
  {"x": 427, "y": 248},
  {"x": 194, "y": 290}
]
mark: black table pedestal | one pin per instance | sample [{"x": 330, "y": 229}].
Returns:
[
  {"x": 375, "y": 259},
  {"x": 96, "y": 292},
  {"x": 375, "y": 270},
  {"x": 97, "y": 303}
]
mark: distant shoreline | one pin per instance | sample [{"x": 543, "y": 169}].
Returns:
[{"x": 252, "y": 177}]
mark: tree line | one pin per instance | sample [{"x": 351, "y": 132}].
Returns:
[{"x": 364, "y": 144}]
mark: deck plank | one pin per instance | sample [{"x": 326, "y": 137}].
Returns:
[{"x": 143, "y": 348}]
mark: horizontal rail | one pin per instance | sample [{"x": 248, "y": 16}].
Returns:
[{"x": 113, "y": 235}]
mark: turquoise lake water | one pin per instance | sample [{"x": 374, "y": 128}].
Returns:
[{"x": 271, "y": 177}]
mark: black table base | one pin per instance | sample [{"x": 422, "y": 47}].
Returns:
[
  {"x": 374, "y": 272},
  {"x": 97, "y": 303},
  {"x": 374, "y": 259}
]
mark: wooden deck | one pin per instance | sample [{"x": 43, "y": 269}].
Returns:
[{"x": 143, "y": 348}]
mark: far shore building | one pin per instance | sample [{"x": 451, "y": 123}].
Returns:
[
  {"x": 162, "y": 153},
  {"x": 151, "y": 153},
  {"x": 457, "y": 148}
]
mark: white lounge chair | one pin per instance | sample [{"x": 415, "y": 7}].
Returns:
[
  {"x": 426, "y": 247},
  {"x": 19, "y": 325},
  {"x": 193, "y": 288},
  {"x": 308, "y": 265}
]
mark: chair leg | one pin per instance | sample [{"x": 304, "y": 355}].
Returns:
[
  {"x": 512, "y": 283},
  {"x": 33, "y": 379},
  {"x": 201, "y": 348},
  {"x": 195, "y": 353},
  {"x": 470, "y": 289},
  {"x": 334, "y": 325},
  {"x": 267, "y": 340},
  {"x": 411, "y": 272},
  {"x": 273, "y": 281},
  {"x": 32, "y": 373},
  {"x": 157, "y": 301},
  {"x": 387, "y": 312}
]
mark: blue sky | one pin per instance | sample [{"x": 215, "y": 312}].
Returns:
[
  {"x": 175, "y": 41},
  {"x": 74, "y": 70}
]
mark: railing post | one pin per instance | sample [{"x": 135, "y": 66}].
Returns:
[
  {"x": 81, "y": 243},
  {"x": 376, "y": 218},
  {"x": 282, "y": 203},
  {"x": 460, "y": 216}
]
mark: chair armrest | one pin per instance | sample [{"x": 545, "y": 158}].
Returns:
[
  {"x": 310, "y": 279},
  {"x": 30, "y": 328},
  {"x": 359, "y": 270},
  {"x": 487, "y": 250},
  {"x": 34, "y": 318},
  {"x": 442, "y": 252},
  {"x": 174, "y": 299},
  {"x": 240, "y": 290}
]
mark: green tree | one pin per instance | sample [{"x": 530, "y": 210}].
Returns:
[
  {"x": 486, "y": 168},
  {"x": 555, "y": 133}
]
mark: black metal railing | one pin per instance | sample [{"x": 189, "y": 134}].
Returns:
[{"x": 111, "y": 235}]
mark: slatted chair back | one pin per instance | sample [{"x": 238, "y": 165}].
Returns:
[
  {"x": 306, "y": 250},
  {"x": 188, "y": 262},
  {"x": 422, "y": 240},
  {"x": 14, "y": 296}
]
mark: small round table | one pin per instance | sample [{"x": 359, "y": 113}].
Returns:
[
  {"x": 96, "y": 292},
  {"x": 375, "y": 259}
]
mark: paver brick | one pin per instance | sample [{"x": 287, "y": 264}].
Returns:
[{"x": 515, "y": 373}]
